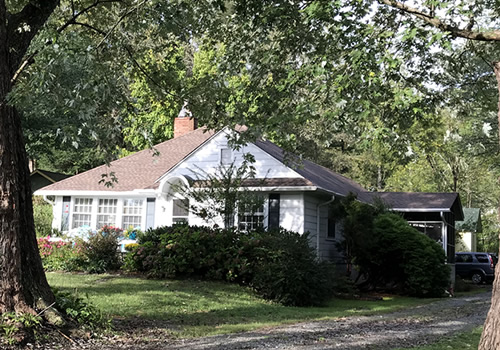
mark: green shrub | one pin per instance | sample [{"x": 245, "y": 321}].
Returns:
[
  {"x": 81, "y": 311},
  {"x": 96, "y": 255},
  {"x": 279, "y": 264},
  {"x": 284, "y": 269},
  {"x": 181, "y": 250},
  {"x": 61, "y": 255},
  {"x": 402, "y": 256},
  {"x": 42, "y": 214},
  {"x": 101, "y": 250}
]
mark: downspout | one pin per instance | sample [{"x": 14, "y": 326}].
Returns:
[
  {"x": 45, "y": 198},
  {"x": 317, "y": 222}
]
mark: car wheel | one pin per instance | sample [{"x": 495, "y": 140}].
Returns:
[{"x": 477, "y": 278}]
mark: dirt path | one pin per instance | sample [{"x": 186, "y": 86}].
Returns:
[{"x": 411, "y": 327}]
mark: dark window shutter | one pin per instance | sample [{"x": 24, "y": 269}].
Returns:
[{"x": 274, "y": 211}]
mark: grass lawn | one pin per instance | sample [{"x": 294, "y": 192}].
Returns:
[
  {"x": 469, "y": 340},
  {"x": 199, "y": 308}
]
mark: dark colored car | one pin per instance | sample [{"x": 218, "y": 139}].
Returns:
[{"x": 479, "y": 267}]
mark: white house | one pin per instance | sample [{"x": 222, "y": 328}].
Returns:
[{"x": 139, "y": 190}]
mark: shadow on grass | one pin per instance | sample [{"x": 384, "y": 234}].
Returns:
[{"x": 193, "y": 308}]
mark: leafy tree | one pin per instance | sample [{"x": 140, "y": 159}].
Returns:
[
  {"x": 33, "y": 33},
  {"x": 389, "y": 253},
  {"x": 218, "y": 197},
  {"x": 473, "y": 22}
]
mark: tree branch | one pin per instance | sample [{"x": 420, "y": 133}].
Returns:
[
  {"x": 17, "y": 18},
  {"x": 73, "y": 19},
  {"x": 24, "y": 25},
  {"x": 492, "y": 35},
  {"x": 147, "y": 75},
  {"x": 97, "y": 30},
  {"x": 122, "y": 17}
]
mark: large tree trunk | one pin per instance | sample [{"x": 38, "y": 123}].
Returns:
[
  {"x": 490, "y": 338},
  {"x": 23, "y": 286}
]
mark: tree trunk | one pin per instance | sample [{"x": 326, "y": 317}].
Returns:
[
  {"x": 490, "y": 338},
  {"x": 23, "y": 286}
]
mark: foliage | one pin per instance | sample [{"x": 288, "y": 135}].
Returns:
[
  {"x": 280, "y": 265},
  {"x": 196, "y": 308},
  {"x": 98, "y": 254},
  {"x": 11, "y": 324},
  {"x": 401, "y": 255},
  {"x": 285, "y": 269},
  {"x": 81, "y": 311},
  {"x": 42, "y": 213},
  {"x": 182, "y": 250},
  {"x": 391, "y": 254},
  {"x": 215, "y": 197},
  {"x": 101, "y": 250},
  {"x": 59, "y": 255}
]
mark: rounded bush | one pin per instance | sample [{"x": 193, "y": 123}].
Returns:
[
  {"x": 404, "y": 257},
  {"x": 280, "y": 265}
]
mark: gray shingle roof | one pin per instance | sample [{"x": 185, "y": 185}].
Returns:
[
  {"x": 142, "y": 169},
  {"x": 428, "y": 201},
  {"x": 318, "y": 175},
  {"x": 139, "y": 170}
]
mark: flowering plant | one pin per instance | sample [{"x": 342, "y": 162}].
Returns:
[
  {"x": 110, "y": 230},
  {"x": 58, "y": 254},
  {"x": 131, "y": 232}
]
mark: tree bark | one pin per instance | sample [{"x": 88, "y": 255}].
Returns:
[
  {"x": 23, "y": 286},
  {"x": 490, "y": 338}
]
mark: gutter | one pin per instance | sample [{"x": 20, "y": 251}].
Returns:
[
  {"x": 45, "y": 198},
  {"x": 317, "y": 221}
]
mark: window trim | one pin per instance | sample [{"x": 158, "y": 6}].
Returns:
[
  {"x": 444, "y": 236},
  {"x": 123, "y": 214},
  {"x": 99, "y": 199},
  {"x": 181, "y": 218},
  {"x": 265, "y": 216},
  {"x": 75, "y": 212}
]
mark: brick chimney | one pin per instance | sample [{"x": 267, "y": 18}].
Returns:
[{"x": 185, "y": 122}]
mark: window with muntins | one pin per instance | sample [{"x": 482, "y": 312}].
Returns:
[
  {"x": 82, "y": 212},
  {"x": 106, "y": 212},
  {"x": 180, "y": 211},
  {"x": 248, "y": 221},
  {"x": 132, "y": 213}
]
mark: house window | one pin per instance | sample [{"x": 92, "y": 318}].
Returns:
[
  {"x": 106, "y": 212},
  {"x": 225, "y": 156},
  {"x": 132, "y": 213},
  {"x": 433, "y": 230},
  {"x": 82, "y": 212},
  {"x": 248, "y": 221},
  {"x": 180, "y": 211}
]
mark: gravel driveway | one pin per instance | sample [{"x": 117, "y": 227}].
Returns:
[{"x": 411, "y": 327}]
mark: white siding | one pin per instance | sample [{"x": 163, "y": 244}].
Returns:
[
  {"x": 327, "y": 246},
  {"x": 207, "y": 159}
]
